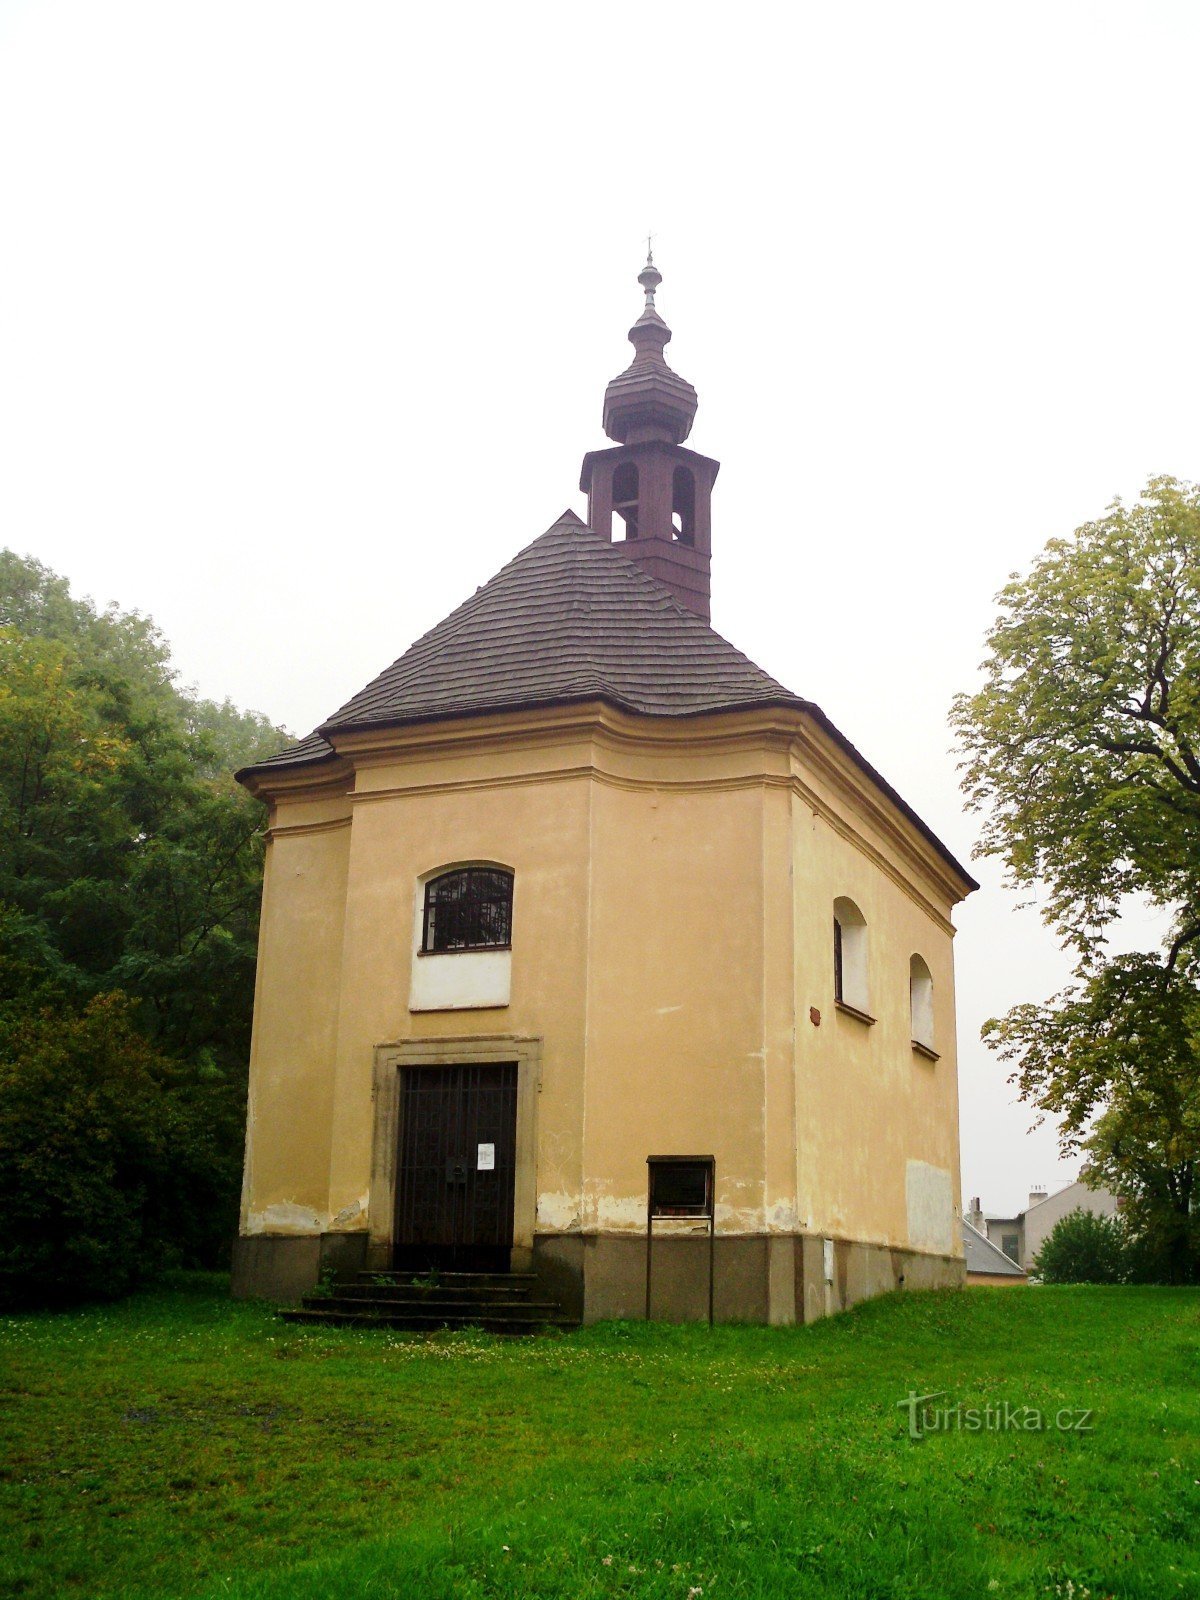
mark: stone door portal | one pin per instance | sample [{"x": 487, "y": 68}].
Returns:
[{"x": 456, "y": 1167}]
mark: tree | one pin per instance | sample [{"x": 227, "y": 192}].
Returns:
[
  {"x": 123, "y": 838},
  {"x": 1083, "y": 1248},
  {"x": 1083, "y": 745},
  {"x": 225, "y": 738},
  {"x": 109, "y": 1167},
  {"x": 1083, "y": 752},
  {"x": 58, "y": 752},
  {"x": 38, "y": 604},
  {"x": 130, "y": 860},
  {"x": 1117, "y": 1057}
]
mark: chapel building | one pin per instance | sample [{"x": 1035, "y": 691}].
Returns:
[{"x": 574, "y": 898}]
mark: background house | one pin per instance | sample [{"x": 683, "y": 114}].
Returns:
[
  {"x": 1020, "y": 1237},
  {"x": 988, "y": 1265}
]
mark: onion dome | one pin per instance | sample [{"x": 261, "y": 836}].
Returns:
[{"x": 648, "y": 400}]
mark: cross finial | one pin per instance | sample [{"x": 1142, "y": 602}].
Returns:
[{"x": 649, "y": 250}]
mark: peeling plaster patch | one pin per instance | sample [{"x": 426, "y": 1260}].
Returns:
[
  {"x": 627, "y": 1213},
  {"x": 285, "y": 1218},
  {"x": 562, "y": 1213},
  {"x": 351, "y": 1213},
  {"x": 929, "y": 1193},
  {"x": 558, "y": 1212},
  {"x": 748, "y": 1219},
  {"x": 630, "y": 1212}
]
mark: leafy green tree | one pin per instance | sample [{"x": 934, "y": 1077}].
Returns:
[
  {"x": 130, "y": 860},
  {"x": 64, "y": 822},
  {"x": 38, "y": 604},
  {"x": 1083, "y": 744},
  {"x": 33, "y": 975},
  {"x": 1117, "y": 1057},
  {"x": 110, "y": 1166},
  {"x": 1083, "y": 1248},
  {"x": 122, "y": 833},
  {"x": 1083, "y": 753},
  {"x": 224, "y": 738}
]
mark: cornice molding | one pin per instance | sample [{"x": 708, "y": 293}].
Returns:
[
  {"x": 594, "y": 719},
  {"x": 328, "y": 780},
  {"x": 288, "y": 830},
  {"x": 791, "y": 735},
  {"x": 829, "y": 762}
]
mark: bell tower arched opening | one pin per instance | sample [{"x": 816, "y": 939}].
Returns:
[
  {"x": 683, "y": 506},
  {"x": 625, "y": 496}
]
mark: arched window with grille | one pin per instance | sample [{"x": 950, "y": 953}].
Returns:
[{"x": 469, "y": 908}]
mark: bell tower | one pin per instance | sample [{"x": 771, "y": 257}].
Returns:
[{"x": 655, "y": 492}]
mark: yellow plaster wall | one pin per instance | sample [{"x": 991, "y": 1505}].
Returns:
[
  {"x": 672, "y": 927},
  {"x": 675, "y": 996},
  {"x": 867, "y": 1104},
  {"x": 297, "y": 994},
  {"x": 402, "y": 831}
]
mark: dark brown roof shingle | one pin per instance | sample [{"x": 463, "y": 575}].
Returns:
[{"x": 570, "y": 618}]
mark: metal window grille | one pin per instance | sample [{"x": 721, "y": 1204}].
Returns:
[{"x": 470, "y": 909}]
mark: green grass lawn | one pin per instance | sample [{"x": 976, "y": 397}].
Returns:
[{"x": 179, "y": 1444}]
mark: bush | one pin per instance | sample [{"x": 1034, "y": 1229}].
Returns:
[
  {"x": 1166, "y": 1253},
  {"x": 109, "y": 1166},
  {"x": 1083, "y": 1248}
]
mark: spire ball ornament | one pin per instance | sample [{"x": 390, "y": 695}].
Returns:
[{"x": 649, "y": 278}]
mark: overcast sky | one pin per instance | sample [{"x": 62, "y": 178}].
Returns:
[{"x": 306, "y": 312}]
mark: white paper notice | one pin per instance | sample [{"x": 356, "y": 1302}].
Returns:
[{"x": 487, "y": 1158}]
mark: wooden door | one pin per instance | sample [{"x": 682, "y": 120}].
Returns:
[{"x": 456, "y": 1167}]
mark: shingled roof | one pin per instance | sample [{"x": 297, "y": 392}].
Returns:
[{"x": 569, "y": 619}]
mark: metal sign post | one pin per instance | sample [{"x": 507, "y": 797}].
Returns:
[{"x": 681, "y": 1186}]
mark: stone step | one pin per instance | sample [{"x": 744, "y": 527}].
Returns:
[
  {"x": 499, "y": 1302},
  {"x": 416, "y": 1322},
  {"x": 432, "y": 1305},
  {"x": 508, "y": 1294},
  {"x": 460, "y": 1279}
]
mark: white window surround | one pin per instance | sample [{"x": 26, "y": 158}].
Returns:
[
  {"x": 855, "y": 991},
  {"x": 456, "y": 980}
]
